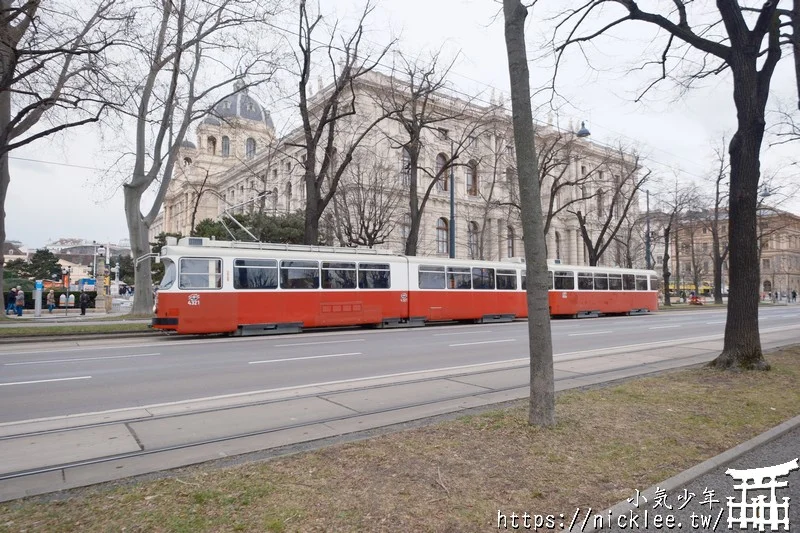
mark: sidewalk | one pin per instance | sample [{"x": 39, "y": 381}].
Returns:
[
  {"x": 72, "y": 451},
  {"x": 59, "y": 316}
]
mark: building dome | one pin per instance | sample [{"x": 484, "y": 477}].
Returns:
[
  {"x": 241, "y": 105},
  {"x": 188, "y": 144}
]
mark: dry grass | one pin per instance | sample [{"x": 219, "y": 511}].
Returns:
[{"x": 456, "y": 475}]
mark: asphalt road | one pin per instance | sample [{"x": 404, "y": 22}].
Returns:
[{"x": 63, "y": 379}]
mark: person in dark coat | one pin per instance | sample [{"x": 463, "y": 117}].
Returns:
[
  {"x": 84, "y": 302},
  {"x": 11, "y": 301}
]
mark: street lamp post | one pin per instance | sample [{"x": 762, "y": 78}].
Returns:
[{"x": 452, "y": 204}]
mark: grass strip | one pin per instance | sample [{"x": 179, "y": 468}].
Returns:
[{"x": 455, "y": 475}]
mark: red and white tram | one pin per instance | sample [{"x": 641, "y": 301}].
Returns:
[{"x": 255, "y": 288}]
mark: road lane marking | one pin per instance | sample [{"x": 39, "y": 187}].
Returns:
[
  {"x": 303, "y": 358},
  {"x": 42, "y": 381},
  {"x": 80, "y": 359},
  {"x": 314, "y": 343},
  {"x": 460, "y": 333},
  {"x": 481, "y": 342},
  {"x": 589, "y": 333},
  {"x": 666, "y": 327}
]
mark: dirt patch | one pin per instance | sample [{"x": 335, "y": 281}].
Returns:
[{"x": 456, "y": 475}]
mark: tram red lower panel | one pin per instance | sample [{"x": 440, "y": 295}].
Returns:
[
  {"x": 574, "y": 302},
  {"x": 466, "y": 305},
  {"x": 221, "y": 312}
]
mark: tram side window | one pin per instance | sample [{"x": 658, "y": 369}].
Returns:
[
  {"x": 458, "y": 278},
  {"x": 524, "y": 284},
  {"x": 564, "y": 281},
  {"x": 255, "y": 274},
  {"x": 374, "y": 276},
  {"x": 338, "y": 275},
  {"x": 551, "y": 279},
  {"x": 655, "y": 284},
  {"x": 629, "y": 282},
  {"x": 601, "y": 282},
  {"x": 506, "y": 280},
  {"x": 483, "y": 278},
  {"x": 431, "y": 277},
  {"x": 641, "y": 283},
  {"x": 170, "y": 273},
  {"x": 201, "y": 273},
  {"x": 615, "y": 282},
  {"x": 299, "y": 275},
  {"x": 585, "y": 281}
]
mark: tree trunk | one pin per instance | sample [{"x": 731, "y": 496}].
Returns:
[
  {"x": 311, "y": 227},
  {"x": 542, "y": 395},
  {"x": 137, "y": 232},
  {"x": 5, "y": 177},
  {"x": 742, "y": 346}
]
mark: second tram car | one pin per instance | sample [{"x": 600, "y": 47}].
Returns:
[{"x": 256, "y": 288}]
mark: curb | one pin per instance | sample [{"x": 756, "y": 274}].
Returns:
[{"x": 689, "y": 475}]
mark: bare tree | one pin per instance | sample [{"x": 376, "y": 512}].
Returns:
[
  {"x": 188, "y": 36},
  {"x": 366, "y": 204},
  {"x": 330, "y": 117},
  {"x": 562, "y": 188},
  {"x": 598, "y": 221},
  {"x": 542, "y": 395},
  {"x": 415, "y": 102},
  {"x": 748, "y": 41},
  {"x": 719, "y": 240},
  {"x": 672, "y": 205},
  {"x": 52, "y": 74}
]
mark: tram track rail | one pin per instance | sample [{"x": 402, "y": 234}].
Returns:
[{"x": 242, "y": 435}]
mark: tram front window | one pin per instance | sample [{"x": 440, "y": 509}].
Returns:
[{"x": 170, "y": 273}]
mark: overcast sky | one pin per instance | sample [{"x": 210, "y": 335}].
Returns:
[{"x": 59, "y": 188}]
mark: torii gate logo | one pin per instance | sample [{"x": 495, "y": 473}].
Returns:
[{"x": 760, "y": 512}]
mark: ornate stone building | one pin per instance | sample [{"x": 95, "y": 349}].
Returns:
[
  {"x": 779, "y": 250},
  {"x": 237, "y": 165}
]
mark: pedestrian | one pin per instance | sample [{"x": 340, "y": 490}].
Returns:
[
  {"x": 51, "y": 300},
  {"x": 11, "y": 301},
  {"x": 84, "y": 302},
  {"x": 20, "y": 300},
  {"x": 794, "y": 295}
]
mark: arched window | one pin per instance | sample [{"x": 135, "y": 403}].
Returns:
[
  {"x": 288, "y": 196},
  {"x": 212, "y": 145},
  {"x": 275, "y": 201},
  {"x": 442, "y": 235},
  {"x": 472, "y": 178},
  {"x": 558, "y": 245},
  {"x": 187, "y": 161},
  {"x": 226, "y": 146},
  {"x": 405, "y": 167},
  {"x": 601, "y": 207},
  {"x": 510, "y": 245},
  {"x": 472, "y": 239},
  {"x": 250, "y": 148},
  {"x": 441, "y": 172}
]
